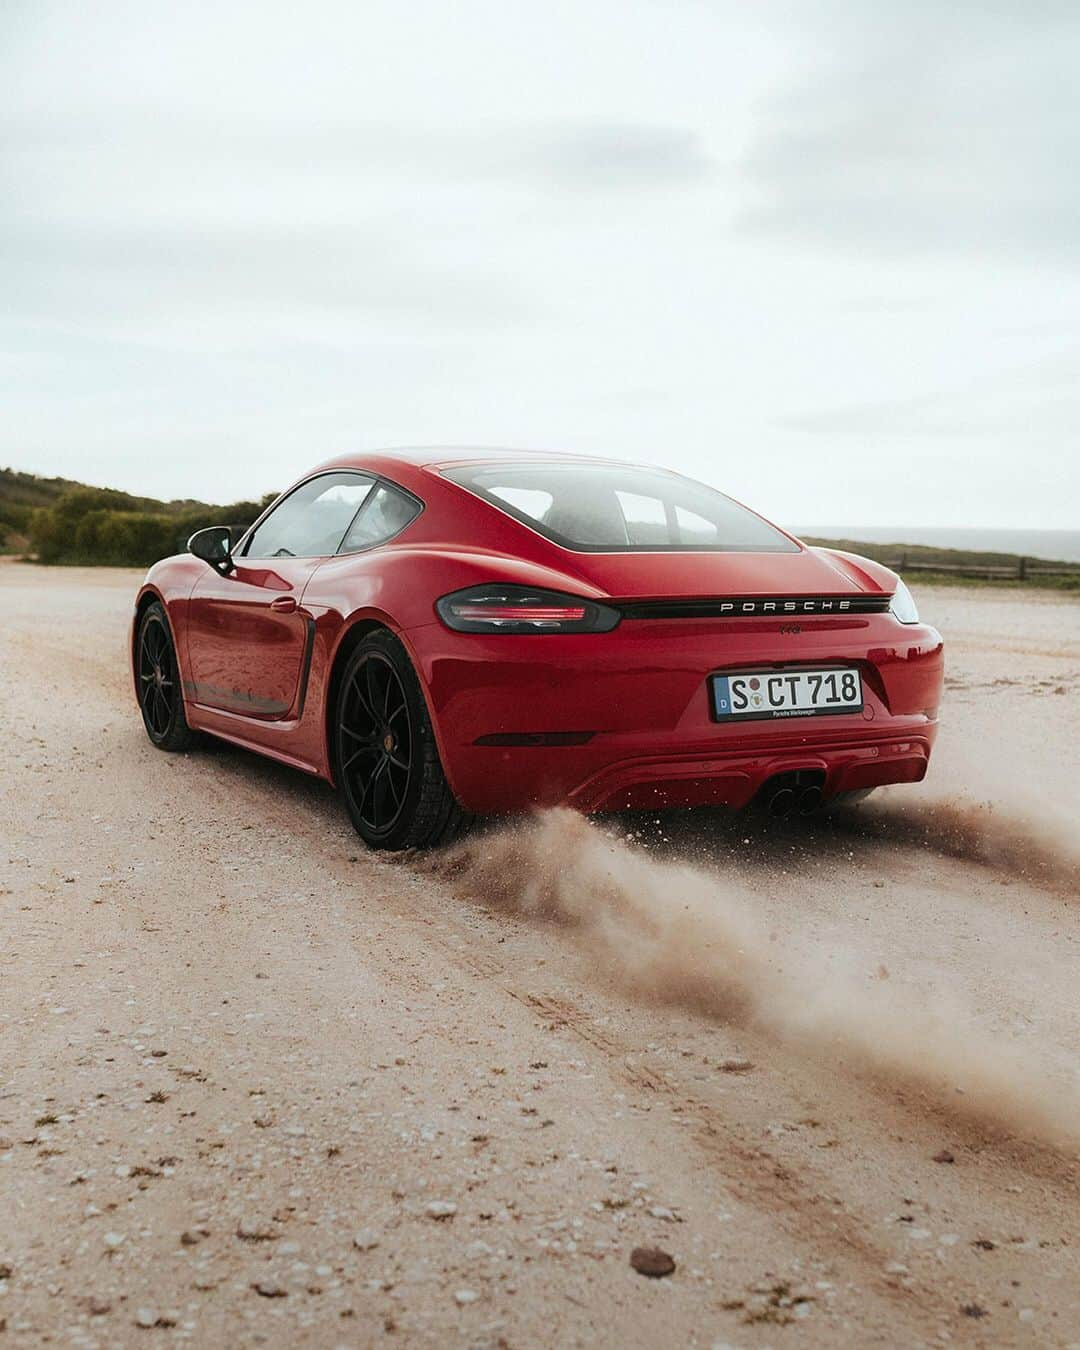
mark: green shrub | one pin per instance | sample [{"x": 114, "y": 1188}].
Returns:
[{"x": 99, "y": 526}]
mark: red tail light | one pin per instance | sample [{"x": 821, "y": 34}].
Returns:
[{"x": 519, "y": 609}]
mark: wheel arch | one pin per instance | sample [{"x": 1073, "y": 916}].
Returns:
[
  {"x": 147, "y": 596},
  {"x": 358, "y": 629}
]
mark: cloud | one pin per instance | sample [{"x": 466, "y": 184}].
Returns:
[
  {"x": 137, "y": 271},
  {"x": 1024, "y": 406},
  {"x": 119, "y": 217},
  {"x": 929, "y": 131}
]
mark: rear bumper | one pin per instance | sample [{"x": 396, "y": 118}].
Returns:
[
  {"x": 639, "y": 697},
  {"x": 733, "y": 780}
]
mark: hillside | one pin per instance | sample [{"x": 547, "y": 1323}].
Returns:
[{"x": 60, "y": 520}]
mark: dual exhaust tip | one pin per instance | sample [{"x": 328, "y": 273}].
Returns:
[{"x": 789, "y": 800}]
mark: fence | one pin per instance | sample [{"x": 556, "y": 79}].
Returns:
[{"x": 1024, "y": 569}]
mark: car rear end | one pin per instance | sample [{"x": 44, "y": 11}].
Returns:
[
  {"x": 676, "y": 650},
  {"x": 633, "y": 717}
]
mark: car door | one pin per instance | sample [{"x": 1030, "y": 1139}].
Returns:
[{"x": 249, "y": 638}]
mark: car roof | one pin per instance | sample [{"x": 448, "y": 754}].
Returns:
[{"x": 432, "y": 456}]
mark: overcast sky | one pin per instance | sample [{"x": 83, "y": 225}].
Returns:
[{"x": 824, "y": 254}]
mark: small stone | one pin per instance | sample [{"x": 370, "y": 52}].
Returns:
[
  {"x": 268, "y": 1289},
  {"x": 465, "y": 1296},
  {"x": 191, "y": 1237},
  {"x": 295, "y": 1131},
  {"x": 662, "y": 1212},
  {"x": 652, "y": 1261},
  {"x": 365, "y": 1240},
  {"x": 253, "y": 1230},
  {"x": 114, "y": 1240},
  {"x": 973, "y": 1310},
  {"x": 734, "y": 1064},
  {"x": 146, "y": 1317},
  {"x": 944, "y": 1157},
  {"x": 97, "y": 1306},
  {"x": 441, "y": 1209}
]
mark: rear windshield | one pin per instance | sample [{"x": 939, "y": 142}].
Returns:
[{"x": 612, "y": 508}]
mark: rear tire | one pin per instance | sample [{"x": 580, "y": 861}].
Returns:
[
  {"x": 157, "y": 675},
  {"x": 386, "y": 762}
]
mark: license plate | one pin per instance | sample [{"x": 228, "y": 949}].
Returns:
[{"x": 785, "y": 693}]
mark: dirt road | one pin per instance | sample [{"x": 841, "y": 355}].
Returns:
[{"x": 260, "y": 1087}]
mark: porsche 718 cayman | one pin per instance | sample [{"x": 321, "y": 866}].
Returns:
[{"x": 452, "y": 633}]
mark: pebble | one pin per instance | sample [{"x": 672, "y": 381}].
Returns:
[
  {"x": 464, "y": 1296},
  {"x": 662, "y": 1212},
  {"x": 441, "y": 1209},
  {"x": 114, "y": 1240},
  {"x": 652, "y": 1261},
  {"x": 253, "y": 1230},
  {"x": 365, "y": 1240},
  {"x": 268, "y": 1289},
  {"x": 734, "y": 1064},
  {"x": 146, "y": 1317}
]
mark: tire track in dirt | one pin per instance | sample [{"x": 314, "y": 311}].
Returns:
[{"x": 753, "y": 1175}]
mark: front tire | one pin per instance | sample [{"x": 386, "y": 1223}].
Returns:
[
  {"x": 157, "y": 672},
  {"x": 385, "y": 757}
]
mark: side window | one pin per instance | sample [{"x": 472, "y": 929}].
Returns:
[
  {"x": 385, "y": 513},
  {"x": 311, "y": 521}
]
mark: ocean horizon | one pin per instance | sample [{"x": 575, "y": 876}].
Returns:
[{"x": 1051, "y": 545}]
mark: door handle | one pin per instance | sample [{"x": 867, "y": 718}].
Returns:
[{"x": 284, "y": 604}]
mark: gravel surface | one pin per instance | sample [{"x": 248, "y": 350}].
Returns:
[{"x": 258, "y": 1086}]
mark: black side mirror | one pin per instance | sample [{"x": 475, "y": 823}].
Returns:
[{"x": 214, "y": 546}]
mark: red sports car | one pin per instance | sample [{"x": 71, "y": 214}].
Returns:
[{"x": 452, "y": 633}]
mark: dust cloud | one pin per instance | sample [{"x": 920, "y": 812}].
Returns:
[
  {"x": 673, "y": 933},
  {"x": 1035, "y": 843}
]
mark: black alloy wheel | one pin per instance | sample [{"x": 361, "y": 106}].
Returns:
[
  {"x": 160, "y": 696},
  {"x": 377, "y": 747},
  {"x": 386, "y": 761}
]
